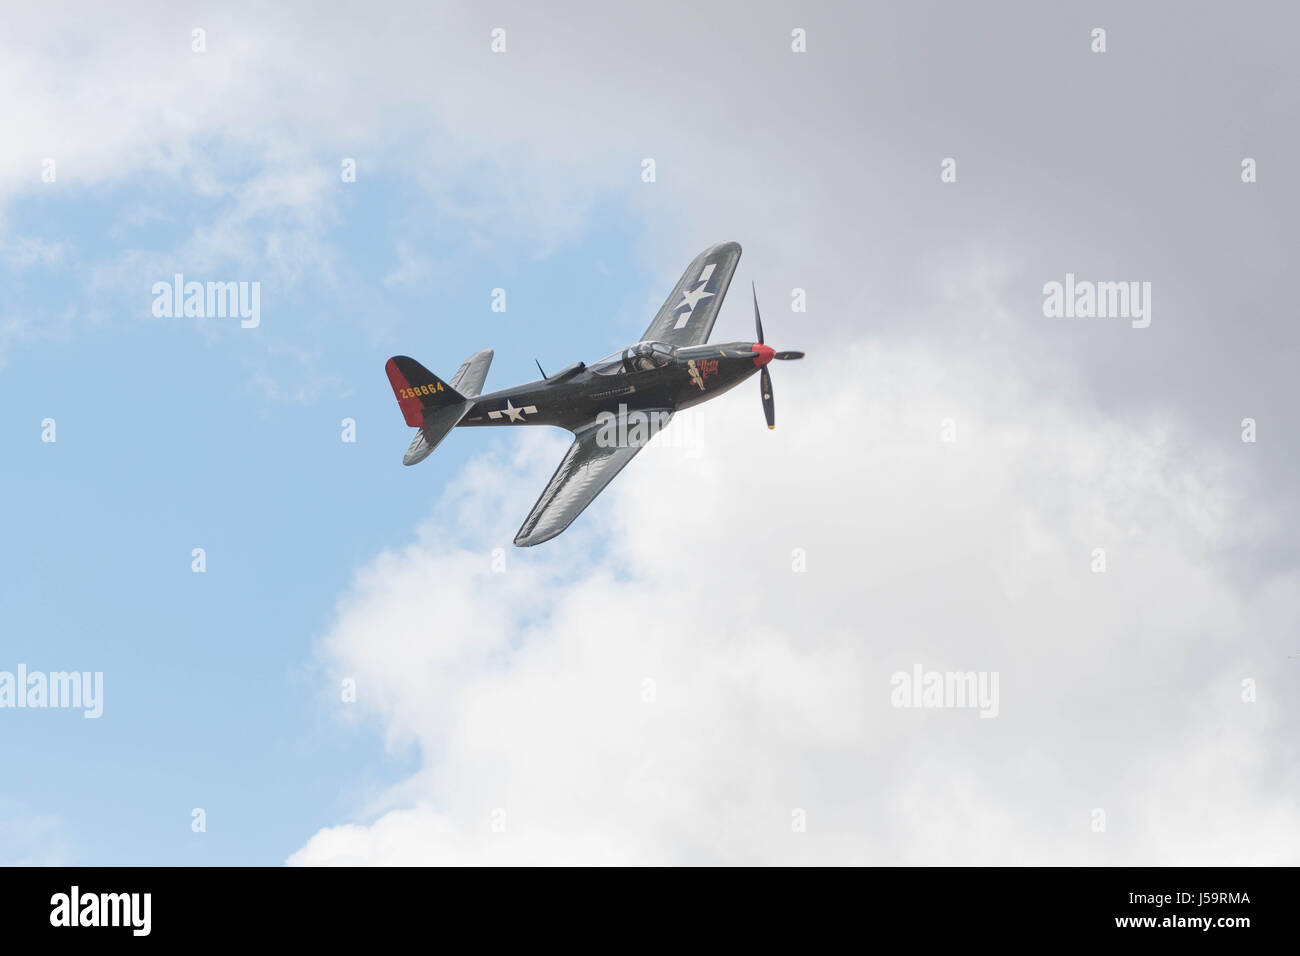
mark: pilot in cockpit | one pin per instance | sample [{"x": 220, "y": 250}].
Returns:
[{"x": 642, "y": 357}]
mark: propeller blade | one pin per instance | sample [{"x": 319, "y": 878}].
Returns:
[
  {"x": 758, "y": 323},
  {"x": 769, "y": 407},
  {"x": 787, "y": 356}
]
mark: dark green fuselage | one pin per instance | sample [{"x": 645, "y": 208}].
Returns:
[{"x": 576, "y": 396}]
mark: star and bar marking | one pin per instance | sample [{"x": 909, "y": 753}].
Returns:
[
  {"x": 692, "y": 298},
  {"x": 513, "y": 413}
]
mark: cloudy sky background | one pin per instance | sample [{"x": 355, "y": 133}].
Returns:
[{"x": 503, "y": 717}]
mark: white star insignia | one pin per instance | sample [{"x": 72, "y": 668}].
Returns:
[
  {"x": 692, "y": 298},
  {"x": 512, "y": 413}
]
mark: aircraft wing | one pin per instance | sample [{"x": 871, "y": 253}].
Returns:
[
  {"x": 584, "y": 472},
  {"x": 687, "y": 317}
]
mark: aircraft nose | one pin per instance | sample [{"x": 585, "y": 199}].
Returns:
[{"x": 762, "y": 354}]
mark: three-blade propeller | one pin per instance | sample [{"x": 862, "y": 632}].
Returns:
[{"x": 764, "y": 379}]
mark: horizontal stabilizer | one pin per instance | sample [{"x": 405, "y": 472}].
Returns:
[
  {"x": 469, "y": 378},
  {"x": 438, "y": 424}
]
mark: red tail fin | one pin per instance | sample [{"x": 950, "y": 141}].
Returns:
[{"x": 417, "y": 389}]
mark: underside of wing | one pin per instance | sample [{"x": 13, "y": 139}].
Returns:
[
  {"x": 687, "y": 317},
  {"x": 590, "y": 464}
]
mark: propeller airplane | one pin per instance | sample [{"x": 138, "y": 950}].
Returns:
[{"x": 670, "y": 369}]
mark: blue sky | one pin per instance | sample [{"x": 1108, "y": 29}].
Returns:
[{"x": 169, "y": 439}]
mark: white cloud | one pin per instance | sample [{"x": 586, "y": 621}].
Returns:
[
  {"x": 31, "y": 839},
  {"x": 411, "y": 267},
  {"x": 27, "y": 252},
  {"x": 524, "y": 691}
]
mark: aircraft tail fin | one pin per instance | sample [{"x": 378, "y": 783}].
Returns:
[
  {"x": 418, "y": 390},
  {"x": 427, "y": 403}
]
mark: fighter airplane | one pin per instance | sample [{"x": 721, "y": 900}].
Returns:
[{"x": 671, "y": 368}]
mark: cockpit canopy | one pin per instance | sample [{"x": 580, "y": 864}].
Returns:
[{"x": 642, "y": 357}]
